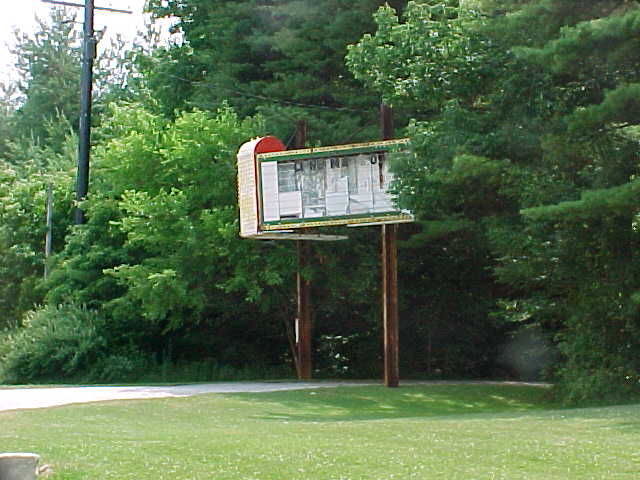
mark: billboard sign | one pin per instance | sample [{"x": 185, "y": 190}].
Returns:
[{"x": 282, "y": 190}]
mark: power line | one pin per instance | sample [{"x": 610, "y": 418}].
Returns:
[
  {"x": 277, "y": 101},
  {"x": 425, "y": 115},
  {"x": 262, "y": 97},
  {"x": 290, "y": 139}
]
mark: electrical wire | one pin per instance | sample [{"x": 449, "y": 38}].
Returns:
[
  {"x": 282, "y": 102},
  {"x": 293, "y": 135},
  {"x": 262, "y": 97}
]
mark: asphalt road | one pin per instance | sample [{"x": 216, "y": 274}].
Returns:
[{"x": 29, "y": 398}]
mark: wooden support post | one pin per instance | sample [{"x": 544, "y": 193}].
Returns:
[
  {"x": 390, "y": 305},
  {"x": 301, "y": 134},
  {"x": 304, "y": 322},
  {"x": 304, "y": 325},
  {"x": 386, "y": 122},
  {"x": 389, "y": 278}
]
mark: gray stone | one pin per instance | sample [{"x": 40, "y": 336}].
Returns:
[{"x": 18, "y": 466}]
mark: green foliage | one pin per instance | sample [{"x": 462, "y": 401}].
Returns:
[
  {"x": 284, "y": 60},
  {"x": 54, "y": 341},
  {"x": 593, "y": 203},
  {"x": 435, "y": 60},
  {"x": 209, "y": 370},
  {"x": 22, "y": 232},
  {"x": 183, "y": 218},
  {"x": 431, "y": 57},
  {"x": 75, "y": 344},
  {"x": 45, "y": 103},
  {"x": 72, "y": 343},
  {"x": 160, "y": 255},
  {"x": 39, "y": 149},
  {"x": 612, "y": 377},
  {"x": 49, "y": 68},
  {"x": 524, "y": 179},
  {"x": 620, "y": 107},
  {"x": 538, "y": 114},
  {"x": 595, "y": 38},
  {"x": 574, "y": 258}
]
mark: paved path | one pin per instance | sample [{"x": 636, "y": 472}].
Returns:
[{"x": 28, "y": 398}]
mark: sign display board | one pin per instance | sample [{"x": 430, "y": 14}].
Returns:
[{"x": 282, "y": 190}]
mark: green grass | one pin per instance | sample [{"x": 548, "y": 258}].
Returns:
[{"x": 421, "y": 432}]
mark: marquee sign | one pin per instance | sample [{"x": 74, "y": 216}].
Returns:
[{"x": 281, "y": 190}]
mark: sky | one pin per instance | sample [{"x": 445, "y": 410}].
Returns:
[{"x": 21, "y": 14}]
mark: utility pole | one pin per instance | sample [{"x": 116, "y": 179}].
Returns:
[{"x": 86, "y": 86}]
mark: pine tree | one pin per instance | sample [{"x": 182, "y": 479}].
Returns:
[
  {"x": 48, "y": 65},
  {"x": 532, "y": 144},
  {"x": 283, "y": 59}
]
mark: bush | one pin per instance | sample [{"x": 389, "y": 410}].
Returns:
[
  {"x": 602, "y": 351},
  {"x": 54, "y": 343},
  {"x": 125, "y": 365},
  {"x": 210, "y": 370},
  {"x": 73, "y": 344}
]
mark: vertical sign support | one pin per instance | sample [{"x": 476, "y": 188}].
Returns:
[
  {"x": 304, "y": 315},
  {"x": 389, "y": 279},
  {"x": 304, "y": 326}
]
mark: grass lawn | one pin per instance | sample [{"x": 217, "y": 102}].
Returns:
[{"x": 424, "y": 432}]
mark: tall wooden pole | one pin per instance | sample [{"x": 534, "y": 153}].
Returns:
[
  {"x": 390, "y": 305},
  {"x": 304, "y": 325},
  {"x": 389, "y": 279}
]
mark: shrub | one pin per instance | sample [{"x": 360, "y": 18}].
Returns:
[
  {"x": 72, "y": 343},
  {"x": 602, "y": 351},
  {"x": 123, "y": 364},
  {"x": 54, "y": 342},
  {"x": 209, "y": 370}
]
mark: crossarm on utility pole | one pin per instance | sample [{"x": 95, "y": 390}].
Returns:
[{"x": 71, "y": 4}]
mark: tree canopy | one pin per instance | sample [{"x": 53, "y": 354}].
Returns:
[
  {"x": 532, "y": 145},
  {"x": 524, "y": 123},
  {"x": 282, "y": 59}
]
